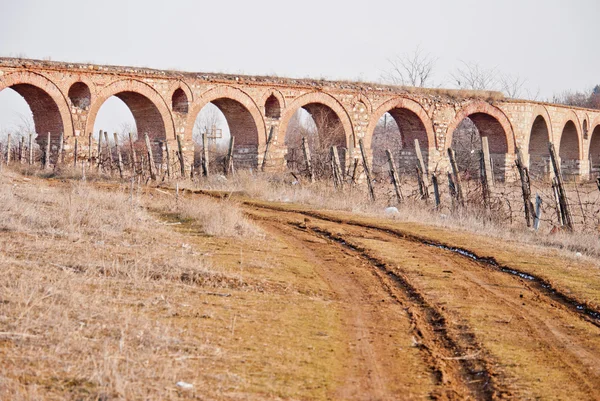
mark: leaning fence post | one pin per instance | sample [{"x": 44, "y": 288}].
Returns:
[
  {"x": 269, "y": 139},
  {"x": 456, "y": 177},
  {"x": 151, "y": 167},
  {"x": 564, "y": 204},
  {"x": 307, "y": 159},
  {"x": 367, "y": 169},
  {"x": 538, "y": 212},
  {"x": 181, "y": 159},
  {"x": 436, "y": 190},
  {"x": 119, "y": 157},
  {"x": 423, "y": 171},
  {"x": 487, "y": 162},
  {"x": 337, "y": 169},
  {"x": 109, "y": 153},
  {"x": 229, "y": 158},
  {"x": 394, "y": 175},
  {"x": 525, "y": 187}
]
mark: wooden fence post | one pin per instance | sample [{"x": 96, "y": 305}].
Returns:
[
  {"x": 181, "y": 159},
  {"x": 47, "y": 155},
  {"x": 229, "y": 157},
  {"x": 337, "y": 168},
  {"x": 423, "y": 170},
  {"x": 151, "y": 167},
  {"x": 483, "y": 178},
  {"x": 21, "y": 149},
  {"x": 8, "y": 150},
  {"x": 394, "y": 175},
  {"x": 30, "y": 149},
  {"x": 487, "y": 162},
  {"x": 564, "y": 203},
  {"x": 307, "y": 160},
  {"x": 90, "y": 149},
  {"x": 436, "y": 190},
  {"x": 456, "y": 177},
  {"x": 99, "y": 155},
  {"x": 538, "y": 212},
  {"x": 525, "y": 188},
  {"x": 452, "y": 189},
  {"x": 269, "y": 139},
  {"x": 75, "y": 150},
  {"x": 109, "y": 153},
  {"x": 60, "y": 158},
  {"x": 205, "y": 161},
  {"x": 557, "y": 203},
  {"x": 119, "y": 156},
  {"x": 133, "y": 155},
  {"x": 367, "y": 169},
  {"x": 168, "y": 159}
]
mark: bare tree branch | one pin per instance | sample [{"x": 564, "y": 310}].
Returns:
[{"x": 415, "y": 69}]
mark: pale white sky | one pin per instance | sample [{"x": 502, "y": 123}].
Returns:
[{"x": 552, "y": 44}]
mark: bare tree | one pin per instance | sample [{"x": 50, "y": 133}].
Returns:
[
  {"x": 473, "y": 76},
  {"x": 512, "y": 86},
  {"x": 414, "y": 69}
]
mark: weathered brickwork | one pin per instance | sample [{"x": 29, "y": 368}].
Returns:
[{"x": 65, "y": 98}]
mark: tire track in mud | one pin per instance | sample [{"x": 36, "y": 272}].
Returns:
[
  {"x": 458, "y": 362},
  {"x": 546, "y": 289}
]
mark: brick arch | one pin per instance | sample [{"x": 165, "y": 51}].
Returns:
[
  {"x": 364, "y": 100},
  {"x": 272, "y": 92},
  {"x": 570, "y": 142},
  {"x": 594, "y": 147},
  {"x": 179, "y": 84},
  {"x": 151, "y": 113},
  {"x": 410, "y": 117},
  {"x": 49, "y": 106},
  {"x": 575, "y": 136},
  {"x": 323, "y": 99},
  {"x": 241, "y": 112},
  {"x": 490, "y": 121},
  {"x": 539, "y": 113}
]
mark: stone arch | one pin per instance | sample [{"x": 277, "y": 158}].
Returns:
[
  {"x": 272, "y": 107},
  {"x": 80, "y": 95},
  {"x": 49, "y": 106},
  {"x": 412, "y": 122},
  {"x": 594, "y": 149},
  {"x": 585, "y": 127},
  {"x": 269, "y": 94},
  {"x": 315, "y": 102},
  {"x": 538, "y": 139},
  {"x": 410, "y": 117},
  {"x": 573, "y": 126},
  {"x": 490, "y": 121},
  {"x": 179, "y": 101},
  {"x": 570, "y": 148},
  {"x": 241, "y": 112},
  {"x": 150, "y": 111},
  {"x": 364, "y": 100}
]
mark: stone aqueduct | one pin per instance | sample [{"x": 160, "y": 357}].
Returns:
[{"x": 66, "y": 97}]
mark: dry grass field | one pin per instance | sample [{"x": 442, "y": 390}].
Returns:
[{"x": 256, "y": 289}]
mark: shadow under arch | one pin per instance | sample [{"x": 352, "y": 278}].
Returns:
[{"x": 48, "y": 104}]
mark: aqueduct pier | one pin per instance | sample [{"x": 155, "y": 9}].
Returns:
[{"x": 66, "y": 97}]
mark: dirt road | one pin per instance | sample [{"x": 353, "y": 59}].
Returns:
[{"x": 423, "y": 321}]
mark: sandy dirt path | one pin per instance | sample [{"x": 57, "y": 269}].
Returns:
[{"x": 483, "y": 333}]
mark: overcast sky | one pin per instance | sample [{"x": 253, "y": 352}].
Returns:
[{"x": 553, "y": 45}]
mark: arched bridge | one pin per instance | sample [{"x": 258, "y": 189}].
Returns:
[{"x": 66, "y": 97}]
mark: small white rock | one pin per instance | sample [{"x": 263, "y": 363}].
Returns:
[
  {"x": 184, "y": 385},
  {"x": 578, "y": 254},
  {"x": 391, "y": 211}
]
